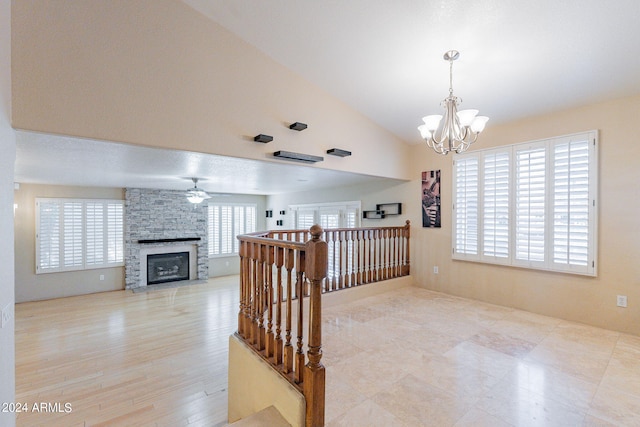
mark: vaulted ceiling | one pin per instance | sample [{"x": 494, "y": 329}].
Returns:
[{"x": 384, "y": 59}]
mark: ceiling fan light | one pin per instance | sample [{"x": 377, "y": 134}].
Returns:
[
  {"x": 194, "y": 198},
  {"x": 432, "y": 122},
  {"x": 196, "y": 195},
  {"x": 479, "y": 123},
  {"x": 466, "y": 117}
]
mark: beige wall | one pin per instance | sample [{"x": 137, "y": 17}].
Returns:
[
  {"x": 581, "y": 299},
  {"x": 31, "y": 286},
  {"x": 7, "y": 160},
  {"x": 390, "y": 191},
  {"x": 254, "y": 386},
  {"x": 155, "y": 72},
  {"x": 158, "y": 73}
]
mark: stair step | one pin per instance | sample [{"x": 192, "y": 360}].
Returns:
[{"x": 268, "y": 417}]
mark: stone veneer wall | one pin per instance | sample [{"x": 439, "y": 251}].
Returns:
[{"x": 161, "y": 214}]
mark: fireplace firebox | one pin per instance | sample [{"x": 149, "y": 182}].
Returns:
[{"x": 167, "y": 267}]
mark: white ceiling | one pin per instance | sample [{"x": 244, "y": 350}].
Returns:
[
  {"x": 384, "y": 59},
  {"x": 62, "y": 160}
]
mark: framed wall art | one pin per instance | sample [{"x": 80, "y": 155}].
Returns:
[{"x": 431, "y": 199}]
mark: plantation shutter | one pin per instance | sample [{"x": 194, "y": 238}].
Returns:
[
  {"x": 72, "y": 231},
  {"x": 530, "y": 204},
  {"x": 239, "y": 225},
  {"x": 225, "y": 223},
  {"x": 351, "y": 217},
  {"x": 115, "y": 232},
  {"x": 226, "y": 230},
  {"x": 305, "y": 219},
  {"x": 75, "y": 234},
  {"x": 466, "y": 206},
  {"x": 496, "y": 205},
  {"x": 95, "y": 233},
  {"x": 48, "y": 235},
  {"x": 571, "y": 203}
]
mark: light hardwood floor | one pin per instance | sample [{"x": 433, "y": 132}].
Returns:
[
  {"x": 410, "y": 357},
  {"x": 119, "y": 358}
]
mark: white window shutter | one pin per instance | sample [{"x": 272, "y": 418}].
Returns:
[
  {"x": 465, "y": 211},
  {"x": 572, "y": 204},
  {"x": 495, "y": 212},
  {"x": 95, "y": 233},
  {"x": 73, "y": 236},
  {"x": 305, "y": 219},
  {"x": 225, "y": 223},
  {"x": 115, "y": 232},
  {"x": 530, "y": 215},
  {"x": 48, "y": 235}
]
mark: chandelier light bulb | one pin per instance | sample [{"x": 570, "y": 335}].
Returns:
[{"x": 458, "y": 129}]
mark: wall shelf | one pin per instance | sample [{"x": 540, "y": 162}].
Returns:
[
  {"x": 383, "y": 210},
  {"x": 372, "y": 214}
]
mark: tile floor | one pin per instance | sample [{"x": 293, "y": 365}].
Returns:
[
  {"x": 410, "y": 357},
  {"x": 420, "y": 358}
]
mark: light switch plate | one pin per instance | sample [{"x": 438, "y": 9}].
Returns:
[{"x": 6, "y": 315}]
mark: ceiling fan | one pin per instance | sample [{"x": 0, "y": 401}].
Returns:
[{"x": 195, "y": 194}]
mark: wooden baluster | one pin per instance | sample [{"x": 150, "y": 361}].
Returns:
[
  {"x": 269, "y": 342},
  {"x": 300, "y": 279},
  {"x": 339, "y": 271},
  {"x": 400, "y": 243},
  {"x": 389, "y": 253},
  {"x": 244, "y": 294},
  {"x": 358, "y": 254},
  {"x": 288, "y": 348},
  {"x": 261, "y": 285},
  {"x": 345, "y": 259},
  {"x": 382, "y": 255},
  {"x": 241, "y": 281},
  {"x": 254, "y": 294},
  {"x": 367, "y": 254},
  {"x": 277, "y": 348},
  {"x": 314, "y": 376},
  {"x": 353, "y": 254},
  {"x": 376, "y": 255},
  {"x": 381, "y": 261},
  {"x": 407, "y": 257},
  {"x": 396, "y": 256},
  {"x": 334, "y": 276}
]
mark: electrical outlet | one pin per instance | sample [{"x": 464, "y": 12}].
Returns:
[
  {"x": 435, "y": 269},
  {"x": 102, "y": 277},
  {"x": 622, "y": 301},
  {"x": 6, "y": 315}
]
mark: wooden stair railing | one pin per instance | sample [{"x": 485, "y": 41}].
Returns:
[
  {"x": 260, "y": 322},
  {"x": 279, "y": 268},
  {"x": 358, "y": 256}
]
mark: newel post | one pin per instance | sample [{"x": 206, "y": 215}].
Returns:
[{"x": 314, "y": 376}]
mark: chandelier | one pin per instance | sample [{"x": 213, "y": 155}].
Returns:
[
  {"x": 459, "y": 129},
  {"x": 195, "y": 194}
]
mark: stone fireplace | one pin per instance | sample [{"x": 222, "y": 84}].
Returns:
[{"x": 163, "y": 222}]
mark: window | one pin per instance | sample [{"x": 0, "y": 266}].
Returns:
[
  {"x": 531, "y": 205},
  {"x": 331, "y": 216},
  {"x": 75, "y": 234},
  {"x": 225, "y": 223},
  {"x": 327, "y": 215}
]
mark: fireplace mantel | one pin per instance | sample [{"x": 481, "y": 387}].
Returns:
[{"x": 178, "y": 239}]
